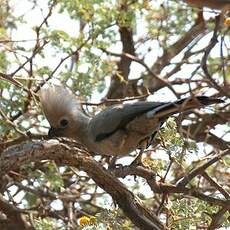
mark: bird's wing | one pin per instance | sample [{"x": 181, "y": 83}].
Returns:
[
  {"x": 117, "y": 117},
  {"x": 114, "y": 118}
]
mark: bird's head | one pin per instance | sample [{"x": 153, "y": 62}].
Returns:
[{"x": 61, "y": 109}]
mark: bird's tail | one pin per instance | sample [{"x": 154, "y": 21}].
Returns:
[{"x": 182, "y": 105}]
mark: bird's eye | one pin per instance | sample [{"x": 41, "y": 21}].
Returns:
[{"x": 64, "y": 122}]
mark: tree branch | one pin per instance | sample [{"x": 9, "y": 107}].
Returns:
[
  {"x": 199, "y": 170},
  {"x": 14, "y": 216},
  {"x": 216, "y": 219},
  {"x": 17, "y": 156},
  {"x": 119, "y": 80},
  {"x": 165, "y": 188}
]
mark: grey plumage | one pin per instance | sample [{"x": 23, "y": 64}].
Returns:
[{"x": 116, "y": 130}]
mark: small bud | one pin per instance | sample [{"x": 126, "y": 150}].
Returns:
[
  {"x": 227, "y": 21},
  {"x": 84, "y": 220}
]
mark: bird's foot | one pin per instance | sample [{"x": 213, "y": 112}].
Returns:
[
  {"x": 115, "y": 167},
  {"x": 112, "y": 164}
]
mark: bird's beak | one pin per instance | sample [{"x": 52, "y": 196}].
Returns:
[{"x": 52, "y": 132}]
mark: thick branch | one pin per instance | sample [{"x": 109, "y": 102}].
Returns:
[
  {"x": 178, "y": 46},
  {"x": 163, "y": 188},
  {"x": 119, "y": 80},
  {"x": 200, "y": 170},
  {"x": 194, "y": 33},
  {"x": 14, "y": 216},
  {"x": 16, "y": 156},
  {"x": 217, "y": 218}
]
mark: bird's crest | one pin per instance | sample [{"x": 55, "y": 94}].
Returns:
[{"x": 58, "y": 101}]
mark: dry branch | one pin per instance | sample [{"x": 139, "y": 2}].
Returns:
[{"x": 15, "y": 157}]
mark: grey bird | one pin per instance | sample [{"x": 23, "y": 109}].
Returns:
[{"x": 117, "y": 130}]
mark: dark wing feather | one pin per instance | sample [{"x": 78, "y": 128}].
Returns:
[
  {"x": 117, "y": 117},
  {"x": 114, "y": 118}
]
